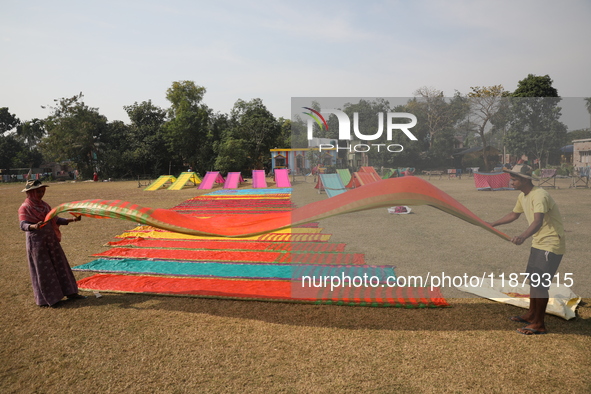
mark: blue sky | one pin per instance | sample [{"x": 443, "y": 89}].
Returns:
[{"x": 121, "y": 52}]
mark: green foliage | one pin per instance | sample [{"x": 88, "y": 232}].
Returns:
[
  {"x": 251, "y": 122},
  {"x": 31, "y": 132},
  {"x": 284, "y": 137},
  {"x": 299, "y": 138},
  {"x": 14, "y": 153},
  {"x": 368, "y": 124},
  {"x": 184, "y": 96},
  {"x": 411, "y": 156},
  {"x": 26, "y": 157},
  {"x": 74, "y": 132},
  {"x": 9, "y": 148},
  {"x": 429, "y": 104},
  {"x": 438, "y": 121},
  {"x": 314, "y": 157},
  {"x": 186, "y": 133},
  {"x": 115, "y": 161},
  {"x": 218, "y": 125},
  {"x": 535, "y": 86},
  {"x": 566, "y": 169},
  {"x": 8, "y": 121},
  {"x": 474, "y": 161},
  {"x": 488, "y": 108},
  {"x": 232, "y": 155},
  {"x": 146, "y": 149},
  {"x": 580, "y": 134},
  {"x": 534, "y": 126}
]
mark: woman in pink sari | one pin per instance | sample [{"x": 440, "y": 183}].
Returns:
[{"x": 51, "y": 275}]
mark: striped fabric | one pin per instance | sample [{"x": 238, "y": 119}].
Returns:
[
  {"x": 269, "y": 266},
  {"x": 492, "y": 181},
  {"x": 228, "y": 255},
  {"x": 385, "y": 193},
  {"x": 265, "y": 290},
  {"x": 236, "y": 270},
  {"x": 139, "y": 242}
]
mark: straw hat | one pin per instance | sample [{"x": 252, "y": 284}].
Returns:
[
  {"x": 32, "y": 185},
  {"x": 522, "y": 170}
]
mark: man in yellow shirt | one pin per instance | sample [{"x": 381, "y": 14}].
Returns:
[{"x": 548, "y": 244}]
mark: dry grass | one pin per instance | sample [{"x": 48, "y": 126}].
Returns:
[{"x": 134, "y": 343}]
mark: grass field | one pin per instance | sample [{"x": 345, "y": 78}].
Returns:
[{"x": 139, "y": 343}]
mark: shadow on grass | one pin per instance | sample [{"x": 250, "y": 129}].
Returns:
[{"x": 463, "y": 314}]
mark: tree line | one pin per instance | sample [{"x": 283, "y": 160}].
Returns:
[
  {"x": 189, "y": 134},
  {"x": 157, "y": 141},
  {"x": 523, "y": 122}
]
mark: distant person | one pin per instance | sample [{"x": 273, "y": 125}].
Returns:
[
  {"x": 95, "y": 177},
  {"x": 548, "y": 244},
  {"x": 51, "y": 275}
]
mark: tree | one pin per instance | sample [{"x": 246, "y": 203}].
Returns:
[
  {"x": 115, "y": 157},
  {"x": 186, "y": 132},
  {"x": 219, "y": 123},
  {"x": 534, "y": 127},
  {"x": 74, "y": 132},
  {"x": 184, "y": 96},
  {"x": 299, "y": 137},
  {"x": 9, "y": 148},
  {"x": 31, "y": 132},
  {"x": 432, "y": 103},
  {"x": 535, "y": 86},
  {"x": 315, "y": 157},
  {"x": 438, "y": 122},
  {"x": 232, "y": 155},
  {"x": 580, "y": 134},
  {"x": 486, "y": 103},
  {"x": 284, "y": 136},
  {"x": 147, "y": 153},
  {"x": 8, "y": 121},
  {"x": 15, "y": 154},
  {"x": 368, "y": 123},
  {"x": 252, "y": 122}
]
